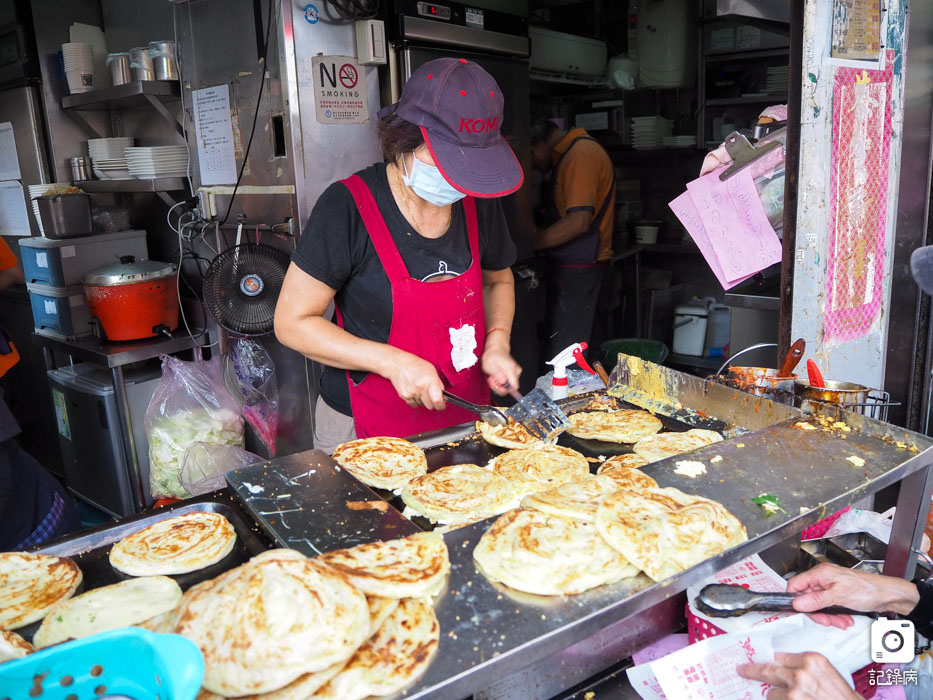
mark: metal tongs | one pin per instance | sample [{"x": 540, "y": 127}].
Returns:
[
  {"x": 535, "y": 412},
  {"x": 724, "y": 600}
]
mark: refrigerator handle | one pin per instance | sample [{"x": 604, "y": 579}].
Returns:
[{"x": 394, "y": 87}]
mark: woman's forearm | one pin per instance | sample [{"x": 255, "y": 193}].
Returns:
[{"x": 499, "y": 306}]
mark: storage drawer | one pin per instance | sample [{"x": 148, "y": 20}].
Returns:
[
  {"x": 62, "y": 263},
  {"x": 60, "y": 311}
]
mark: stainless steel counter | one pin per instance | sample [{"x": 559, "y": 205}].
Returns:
[{"x": 492, "y": 636}]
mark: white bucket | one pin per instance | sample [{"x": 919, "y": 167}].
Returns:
[
  {"x": 646, "y": 234},
  {"x": 690, "y": 329}
]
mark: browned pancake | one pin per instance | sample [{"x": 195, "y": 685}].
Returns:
[
  {"x": 541, "y": 468},
  {"x": 613, "y": 426},
  {"x": 383, "y": 462},
  {"x": 627, "y": 478},
  {"x": 630, "y": 461},
  {"x": 511, "y": 435},
  {"x": 657, "y": 447},
  {"x": 33, "y": 584}
]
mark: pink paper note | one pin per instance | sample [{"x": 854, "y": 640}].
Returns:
[
  {"x": 662, "y": 647},
  {"x": 735, "y": 223},
  {"x": 685, "y": 210}
]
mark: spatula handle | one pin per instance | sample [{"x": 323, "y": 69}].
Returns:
[{"x": 784, "y": 602}]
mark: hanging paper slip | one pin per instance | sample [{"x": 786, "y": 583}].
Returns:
[
  {"x": 685, "y": 210},
  {"x": 736, "y": 223}
]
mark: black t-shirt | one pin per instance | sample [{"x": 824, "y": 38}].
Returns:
[{"x": 336, "y": 249}]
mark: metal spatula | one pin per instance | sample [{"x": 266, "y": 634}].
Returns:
[
  {"x": 724, "y": 600},
  {"x": 537, "y": 413}
]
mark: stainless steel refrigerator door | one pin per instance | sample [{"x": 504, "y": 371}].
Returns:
[{"x": 20, "y": 106}]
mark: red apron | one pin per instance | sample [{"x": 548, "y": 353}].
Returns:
[{"x": 423, "y": 313}]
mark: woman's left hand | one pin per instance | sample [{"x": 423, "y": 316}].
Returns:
[
  {"x": 806, "y": 676},
  {"x": 500, "y": 368}
]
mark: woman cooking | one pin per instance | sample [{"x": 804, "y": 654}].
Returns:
[{"x": 415, "y": 254}]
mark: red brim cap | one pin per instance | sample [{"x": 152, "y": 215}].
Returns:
[{"x": 481, "y": 171}]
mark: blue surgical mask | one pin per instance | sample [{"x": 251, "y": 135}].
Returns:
[{"x": 427, "y": 182}]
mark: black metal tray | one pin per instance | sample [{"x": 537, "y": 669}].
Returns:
[
  {"x": 90, "y": 550},
  {"x": 472, "y": 449}
]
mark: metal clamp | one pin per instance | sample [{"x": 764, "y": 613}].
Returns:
[
  {"x": 742, "y": 352},
  {"x": 743, "y": 153}
]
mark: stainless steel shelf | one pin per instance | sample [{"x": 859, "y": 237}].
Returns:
[
  {"x": 118, "y": 354},
  {"x": 135, "y": 94},
  {"x": 758, "y": 99},
  {"x": 159, "y": 184}
]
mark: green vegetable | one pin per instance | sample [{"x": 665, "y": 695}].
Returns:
[
  {"x": 769, "y": 503},
  {"x": 170, "y": 435}
]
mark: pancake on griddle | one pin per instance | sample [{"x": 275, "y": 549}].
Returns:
[
  {"x": 174, "y": 546},
  {"x": 397, "y": 655},
  {"x": 665, "y": 531},
  {"x": 658, "y": 447},
  {"x": 628, "y": 478},
  {"x": 613, "y": 426},
  {"x": 629, "y": 460},
  {"x": 118, "y": 605},
  {"x": 12, "y": 646},
  {"x": 382, "y": 462},
  {"x": 457, "y": 493},
  {"x": 512, "y": 435},
  {"x": 264, "y": 624},
  {"x": 302, "y": 688},
  {"x": 541, "y": 468},
  {"x": 545, "y": 554},
  {"x": 578, "y": 499},
  {"x": 160, "y": 624},
  {"x": 408, "y": 567},
  {"x": 379, "y": 609},
  {"x": 33, "y": 584}
]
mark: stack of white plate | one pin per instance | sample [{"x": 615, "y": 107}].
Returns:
[
  {"x": 647, "y": 132},
  {"x": 777, "y": 80},
  {"x": 38, "y": 191},
  {"x": 151, "y": 162},
  {"x": 107, "y": 158},
  {"x": 681, "y": 141}
]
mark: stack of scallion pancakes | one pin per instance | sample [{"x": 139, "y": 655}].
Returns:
[{"x": 348, "y": 624}]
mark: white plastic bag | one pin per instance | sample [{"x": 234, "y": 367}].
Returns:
[
  {"x": 878, "y": 525},
  {"x": 190, "y": 404},
  {"x": 204, "y": 465},
  {"x": 923, "y": 665}
]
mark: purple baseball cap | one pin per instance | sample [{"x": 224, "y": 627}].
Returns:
[{"x": 458, "y": 107}]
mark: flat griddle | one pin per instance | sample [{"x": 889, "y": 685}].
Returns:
[{"x": 90, "y": 549}]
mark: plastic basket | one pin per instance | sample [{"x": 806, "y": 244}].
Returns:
[
  {"x": 698, "y": 630},
  {"x": 821, "y": 527},
  {"x": 648, "y": 350},
  {"x": 130, "y": 661}
]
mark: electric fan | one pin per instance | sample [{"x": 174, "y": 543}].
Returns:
[{"x": 242, "y": 285}]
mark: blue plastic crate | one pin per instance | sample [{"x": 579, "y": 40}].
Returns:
[{"x": 60, "y": 311}]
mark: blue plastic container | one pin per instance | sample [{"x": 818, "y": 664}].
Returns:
[
  {"x": 60, "y": 311},
  {"x": 129, "y": 661},
  {"x": 65, "y": 262}
]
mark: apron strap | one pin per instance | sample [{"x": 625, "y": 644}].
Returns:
[
  {"x": 472, "y": 226},
  {"x": 376, "y": 227}
]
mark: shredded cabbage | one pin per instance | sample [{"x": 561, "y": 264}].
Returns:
[{"x": 171, "y": 435}]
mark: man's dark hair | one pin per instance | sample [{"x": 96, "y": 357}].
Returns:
[
  {"x": 541, "y": 130},
  {"x": 397, "y": 136}
]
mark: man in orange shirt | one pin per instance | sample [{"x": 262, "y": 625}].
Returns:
[
  {"x": 33, "y": 505},
  {"x": 575, "y": 231}
]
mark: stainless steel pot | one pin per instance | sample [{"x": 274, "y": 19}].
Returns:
[
  {"x": 119, "y": 66},
  {"x": 844, "y": 393},
  {"x": 164, "y": 65}
]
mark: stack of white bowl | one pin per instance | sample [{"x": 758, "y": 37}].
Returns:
[
  {"x": 108, "y": 157},
  {"x": 79, "y": 66},
  {"x": 147, "y": 163},
  {"x": 38, "y": 191}
]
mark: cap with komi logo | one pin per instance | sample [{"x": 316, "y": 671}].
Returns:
[{"x": 458, "y": 107}]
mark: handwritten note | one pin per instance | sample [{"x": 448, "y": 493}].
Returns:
[
  {"x": 9, "y": 162},
  {"x": 728, "y": 223},
  {"x": 214, "y": 129},
  {"x": 14, "y": 217}
]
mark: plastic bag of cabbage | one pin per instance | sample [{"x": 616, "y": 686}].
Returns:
[{"x": 190, "y": 404}]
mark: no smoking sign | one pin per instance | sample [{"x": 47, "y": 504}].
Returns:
[{"x": 349, "y": 76}]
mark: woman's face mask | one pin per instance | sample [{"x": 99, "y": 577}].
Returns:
[{"x": 427, "y": 182}]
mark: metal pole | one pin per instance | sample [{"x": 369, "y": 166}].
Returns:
[
  {"x": 129, "y": 442},
  {"x": 913, "y": 503}
]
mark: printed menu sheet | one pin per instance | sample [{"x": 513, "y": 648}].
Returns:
[{"x": 214, "y": 132}]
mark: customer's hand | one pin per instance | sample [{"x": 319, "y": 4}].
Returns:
[
  {"x": 807, "y": 676},
  {"x": 416, "y": 381},
  {"x": 828, "y": 584},
  {"x": 500, "y": 368}
]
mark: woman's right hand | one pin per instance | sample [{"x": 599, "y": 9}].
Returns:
[{"x": 416, "y": 381}]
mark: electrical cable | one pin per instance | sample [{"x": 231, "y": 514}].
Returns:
[
  {"x": 181, "y": 307},
  {"x": 273, "y": 15},
  {"x": 351, "y": 10}
]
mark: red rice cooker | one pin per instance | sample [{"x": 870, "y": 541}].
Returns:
[{"x": 133, "y": 299}]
